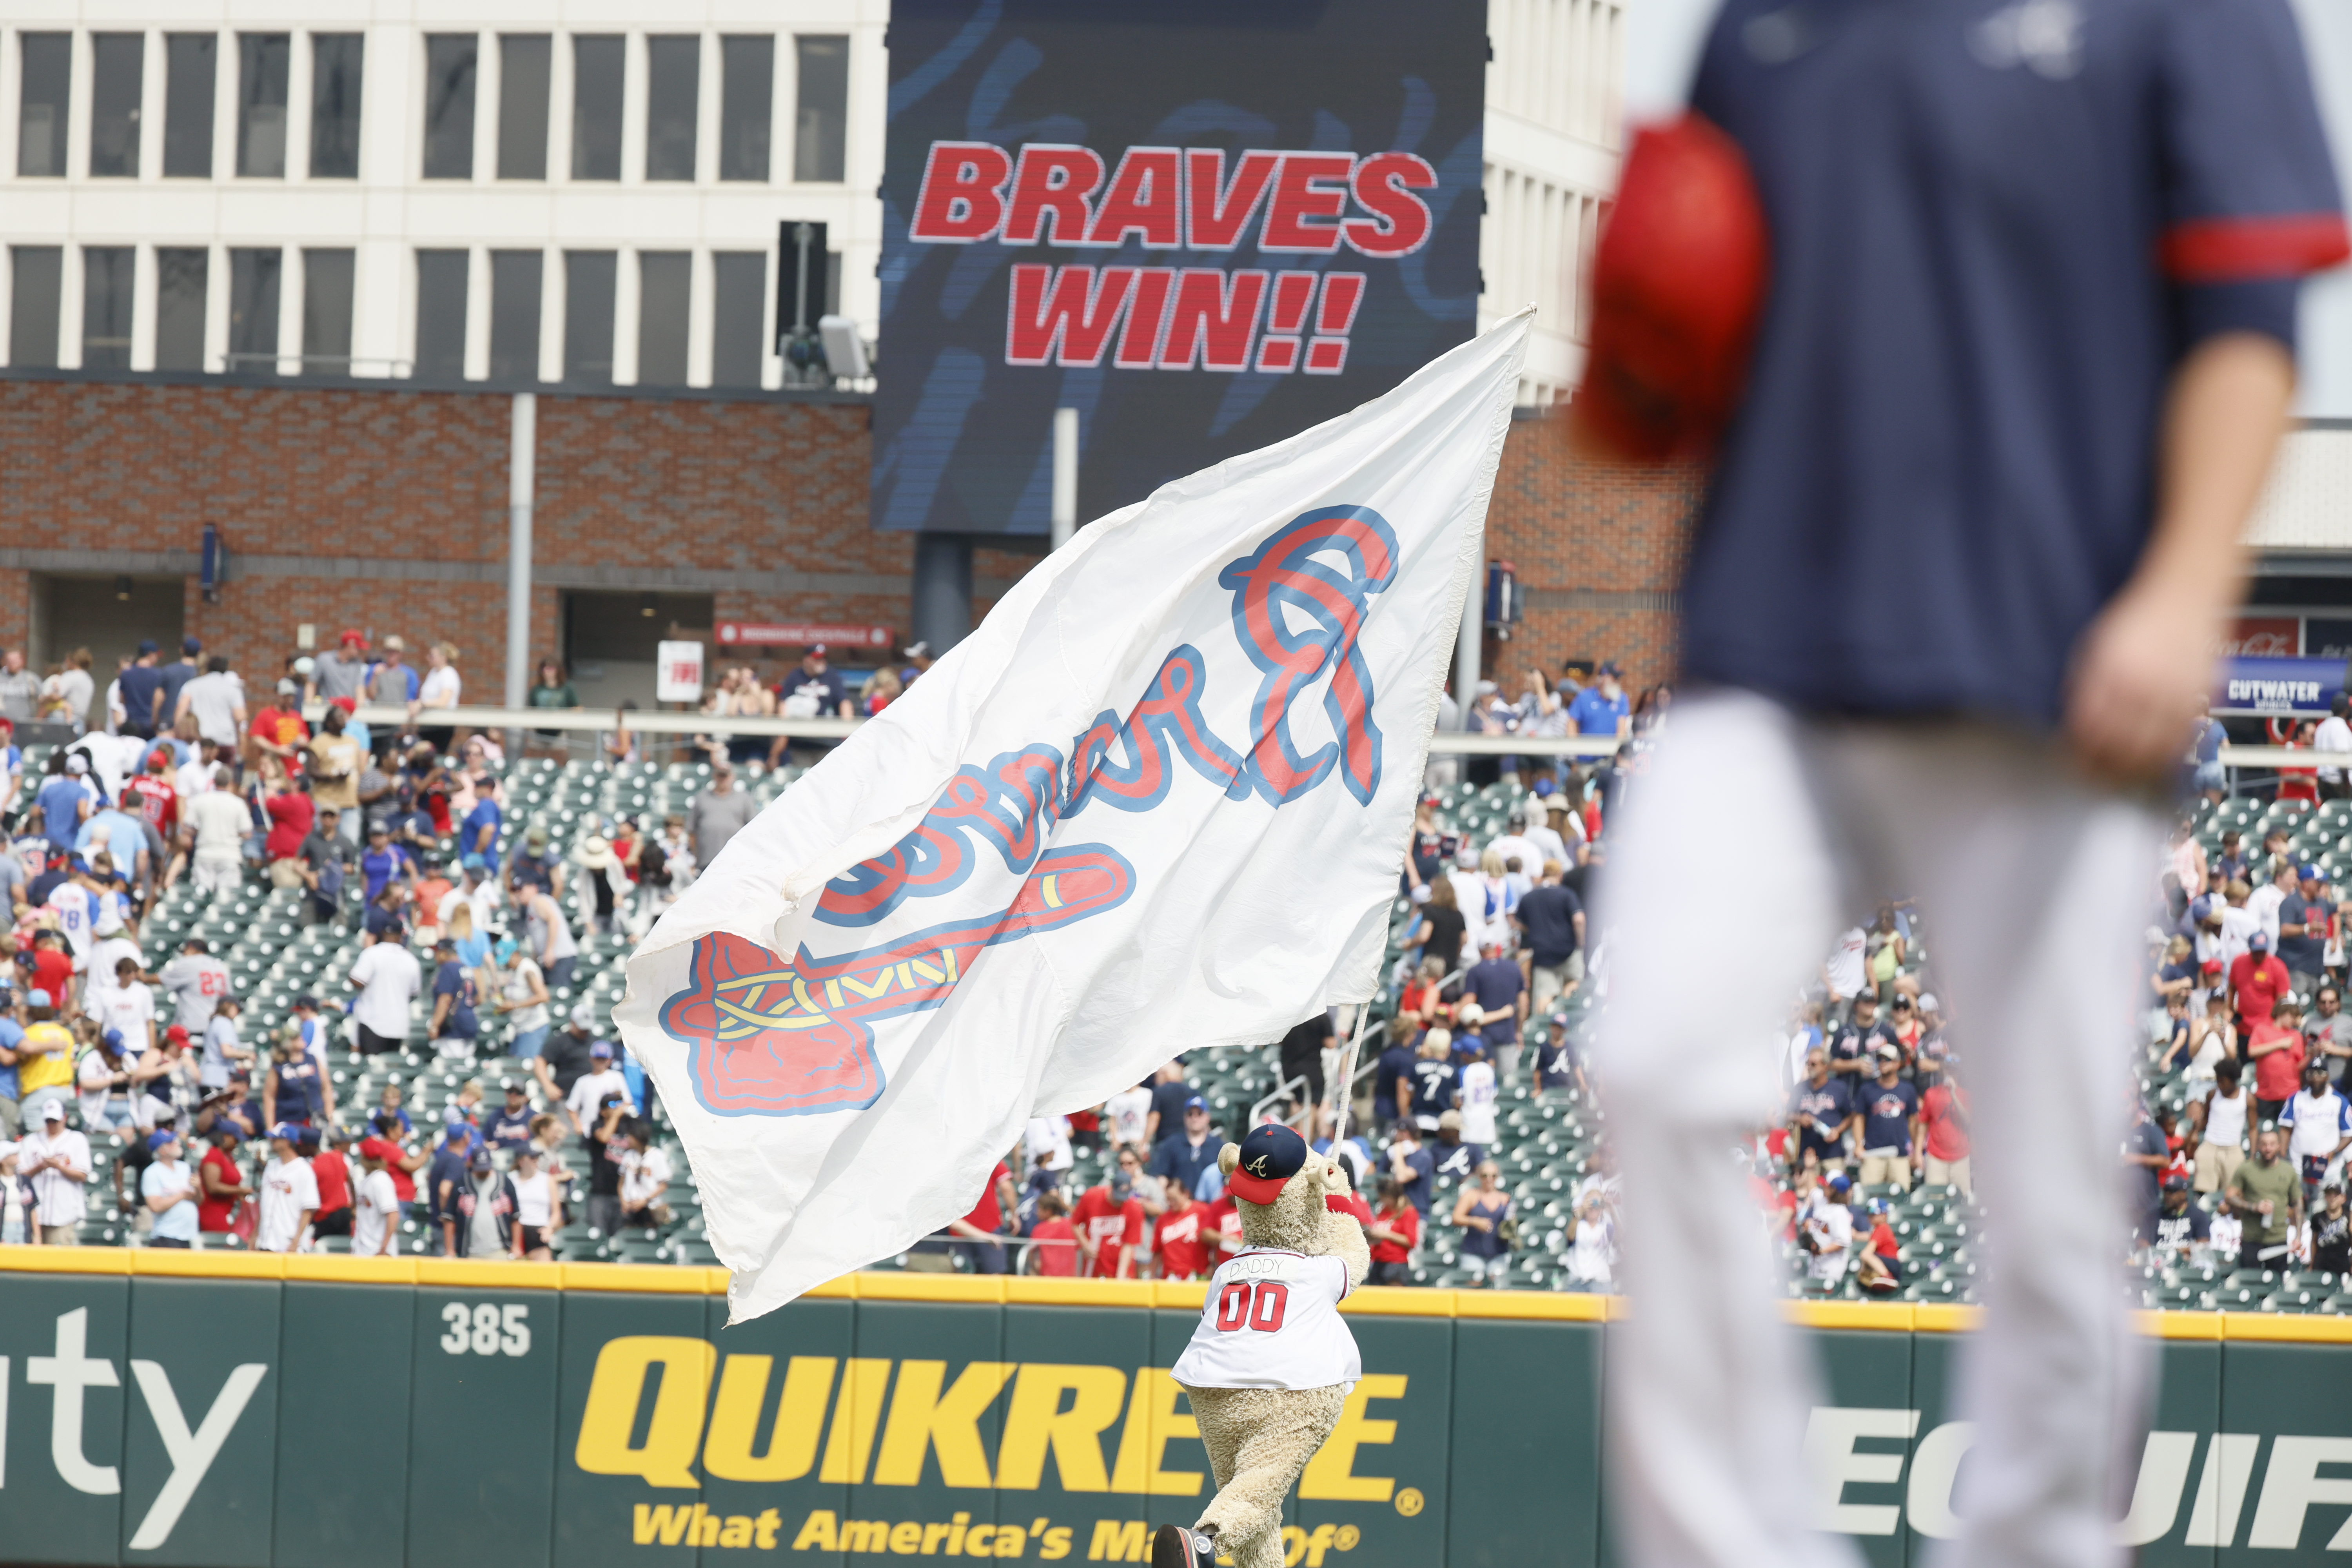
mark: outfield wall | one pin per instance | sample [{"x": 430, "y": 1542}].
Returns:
[{"x": 238, "y": 1411}]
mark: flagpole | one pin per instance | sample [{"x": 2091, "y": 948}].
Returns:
[{"x": 1345, "y": 1087}]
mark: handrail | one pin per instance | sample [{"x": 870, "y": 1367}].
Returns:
[{"x": 652, "y": 721}]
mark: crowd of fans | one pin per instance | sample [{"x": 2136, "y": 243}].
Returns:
[
  {"x": 401, "y": 836},
  {"x": 2236, "y": 1156}
]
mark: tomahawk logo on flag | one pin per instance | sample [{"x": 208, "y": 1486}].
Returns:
[{"x": 1157, "y": 801}]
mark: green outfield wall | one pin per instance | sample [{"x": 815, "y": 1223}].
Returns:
[{"x": 222, "y": 1411}]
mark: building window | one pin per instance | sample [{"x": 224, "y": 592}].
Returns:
[
  {"x": 190, "y": 67},
  {"x": 38, "y": 272},
  {"x": 262, "y": 62},
  {"x": 253, "y": 284},
  {"x": 441, "y": 314},
  {"x": 327, "y": 312},
  {"x": 181, "y": 276},
  {"x": 588, "y": 282},
  {"x": 739, "y": 301},
  {"x": 335, "y": 74},
  {"x": 117, "y": 63},
  {"x": 746, "y": 96},
  {"x": 821, "y": 123},
  {"x": 665, "y": 286},
  {"x": 673, "y": 74},
  {"x": 41, "y": 114},
  {"x": 514, "y": 314},
  {"x": 523, "y": 64},
  {"x": 110, "y": 277},
  {"x": 449, "y": 61},
  {"x": 597, "y": 66}
]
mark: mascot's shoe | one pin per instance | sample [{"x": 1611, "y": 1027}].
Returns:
[{"x": 1177, "y": 1547}]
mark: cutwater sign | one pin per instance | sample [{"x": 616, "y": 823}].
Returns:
[{"x": 2280, "y": 685}]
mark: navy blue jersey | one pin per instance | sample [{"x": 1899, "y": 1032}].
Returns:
[{"x": 1996, "y": 226}]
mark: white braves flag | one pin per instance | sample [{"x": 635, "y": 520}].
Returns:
[{"x": 1157, "y": 801}]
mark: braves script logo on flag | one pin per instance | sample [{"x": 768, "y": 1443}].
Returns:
[{"x": 768, "y": 1036}]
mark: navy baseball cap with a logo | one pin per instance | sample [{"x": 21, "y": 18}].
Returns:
[{"x": 1271, "y": 1155}]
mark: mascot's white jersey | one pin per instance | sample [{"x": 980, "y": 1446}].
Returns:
[{"x": 1272, "y": 1321}]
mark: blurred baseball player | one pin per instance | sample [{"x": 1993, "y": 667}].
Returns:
[{"x": 1987, "y": 437}]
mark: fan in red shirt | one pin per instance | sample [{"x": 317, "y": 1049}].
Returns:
[
  {"x": 2277, "y": 1046},
  {"x": 290, "y": 814},
  {"x": 397, "y": 1161},
  {"x": 1393, "y": 1232},
  {"x": 1056, "y": 1252},
  {"x": 1181, "y": 1236},
  {"x": 334, "y": 1176},
  {"x": 2257, "y": 980},
  {"x": 976, "y": 1234},
  {"x": 153, "y": 795},
  {"x": 52, "y": 966},
  {"x": 216, "y": 1212},
  {"x": 1110, "y": 1224},
  {"x": 1222, "y": 1223},
  {"x": 1944, "y": 1114}
]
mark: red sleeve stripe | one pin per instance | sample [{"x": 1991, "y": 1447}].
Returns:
[{"x": 2250, "y": 249}]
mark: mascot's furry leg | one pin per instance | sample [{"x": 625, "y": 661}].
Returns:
[{"x": 1258, "y": 1440}]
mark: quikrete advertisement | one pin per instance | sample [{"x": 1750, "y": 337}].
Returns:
[{"x": 482, "y": 1415}]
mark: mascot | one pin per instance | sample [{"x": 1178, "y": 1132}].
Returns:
[{"x": 1272, "y": 1361}]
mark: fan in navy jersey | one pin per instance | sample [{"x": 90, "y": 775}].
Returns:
[{"x": 1984, "y": 452}]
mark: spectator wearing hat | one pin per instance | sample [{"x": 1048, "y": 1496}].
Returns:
[
  {"x": 169, "y": 1192},
  {"x": 1453, "y": 1158},
  {"x": 510, "y": 1125},
  {"x": 480, "y": 1221},
  {"x": 588, "y": 1091},
  {"x": 1821, "y": 1113},
  {"x": 103, "y": 1078},
  {"x": 445, "y": 1179},
  {"x": 608, "y": 1140},
  {"x": 376, "y": 1202},
  {"x": 2318, "y": 1124},
  {"x": 2304, "y": 917},
  {"x": 1184, "y": 1154},
  {"x": 290, "y": 1194},
  {"x": 342, "y": 672},
  {"x": 56, "y": 1161},
  {"x": 278, "y": 734},
  {"x": 2257, "y": 980},
  {"x": 2181, "y": 1226},
  {"x": 2276, "y": 1046},
  {"x": 813, "y": 690},
  {"x": 532, "y": 868},
  {"x": 2331, "y": 1231},
  {"x": 1889, "y": 1110},
  {"x": 1825, "y": 1231},
  {"x": 45, "y": 1056}
]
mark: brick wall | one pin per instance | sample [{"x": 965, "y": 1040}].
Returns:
[
  {"x": 1599, "y": 549},
  {"x": 386, "y": 511}
]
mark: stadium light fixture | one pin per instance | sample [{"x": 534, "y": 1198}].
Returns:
[{"x": 123, "y": 587}]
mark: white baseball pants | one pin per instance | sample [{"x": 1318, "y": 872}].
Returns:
[{"x": 1750, "y": 838}]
